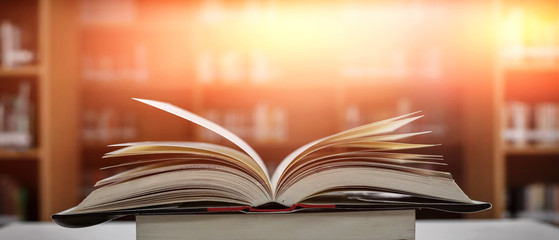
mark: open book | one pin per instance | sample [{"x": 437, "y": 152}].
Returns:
[{"x": 359, "y": 169}]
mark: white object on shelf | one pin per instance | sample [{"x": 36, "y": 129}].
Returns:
[
  {"x": 15, "y": 139},
  {"x": 517, "y": 131},
  {"x": 545, "y": 116},
  {"x": 15, "y": 119},
  {"x": 10, "y": 39}
]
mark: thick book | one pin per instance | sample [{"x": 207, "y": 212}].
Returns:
[
  {"x": 369, "y": 225},
  {"x": 364, "y": 168}
]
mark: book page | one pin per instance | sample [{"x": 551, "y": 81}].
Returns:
[
  {"x": 379, "y": 127},
  {"x": 198, "y": 148},
  {"x": 391, "y": 180},
  {"x": 210, "y": 126},
  {"x": 210, "y": 151}
]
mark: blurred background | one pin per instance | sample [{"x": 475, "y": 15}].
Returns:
[{"x": 279, "y": 74}]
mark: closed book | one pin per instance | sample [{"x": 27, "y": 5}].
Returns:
[{"x": 370, "y": 225}]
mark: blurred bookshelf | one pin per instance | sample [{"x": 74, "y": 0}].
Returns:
[
  {"x": 37, "y": 168},
  {"x": 18, "y": 154},
  {"x": 532, "y": 150},
  {"x": 238, "y": 63},
  {"x": 24, "y": 71},
  {"x": 19, "y": 76},
  {"x": 529, "y": 79},
  {"x": 278, "y": 74}
]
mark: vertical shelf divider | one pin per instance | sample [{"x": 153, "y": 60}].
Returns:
[{"x": 58, "y": 107}]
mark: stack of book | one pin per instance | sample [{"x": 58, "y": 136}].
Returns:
[
  {"x": 356, "y": 184},
  {"x": 537, "y": 200},
  {"x": 11, "y": 52},
  {"x": 16, "y": 119},
  {"x": 14, "y": 200},
  {"x": 535, "y": 124}
]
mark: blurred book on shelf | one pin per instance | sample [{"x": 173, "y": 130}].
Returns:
[
  {"x": 546, "y": 124},
  {"x": 14, "y": 199},
  {"x": 128, "y": 64},
  {"x": 538, "y": 201},
  {"x": 531, "y": 125},
  {"x": 394, "y": 65},
  {"x": 263, "y": 124},
  {"x": 12, "y": 53},
  {"x": 16, "y": 119},
  {"x": 233, "y": 67},
  {"x": 107, "y": 125}
]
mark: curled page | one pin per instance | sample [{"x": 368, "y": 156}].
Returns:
[
  {"x": 375, "y": 128},
  {"x": 210, "y": 126}
]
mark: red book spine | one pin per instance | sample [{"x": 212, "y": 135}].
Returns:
[{"x": 251, "y": 209}]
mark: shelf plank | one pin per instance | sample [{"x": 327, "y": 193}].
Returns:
[
  {"x": 531, "y": 150},
  {"x": 14, "y": 154},
  {"x": 25, "y": 71}
]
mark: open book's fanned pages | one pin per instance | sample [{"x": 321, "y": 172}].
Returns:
[
  {"x": 208, "y": 125},
  {"x": 343, "y": 172}
]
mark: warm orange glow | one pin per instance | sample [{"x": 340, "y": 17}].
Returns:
[
  {"x": 529, "y": 34},
  {"x": 279, "y": 74}
]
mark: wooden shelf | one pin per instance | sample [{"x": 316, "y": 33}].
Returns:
[
  {"x": 14, "y": 154},
  {"x": 270, "y": 86},
  {"x": 25, "y": 71},
  {"x": 531, "y": 150},
  {"x": 263, "y": 90},
  {"x": 119, "y": 87},
  {"x": 530, "y": 76}
]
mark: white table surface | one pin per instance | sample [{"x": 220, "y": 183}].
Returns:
[{"x": 425, "y": 229}]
